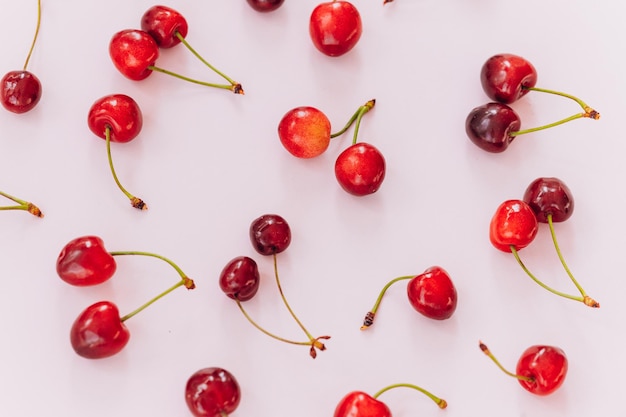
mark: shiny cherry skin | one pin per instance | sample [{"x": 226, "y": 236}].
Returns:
[
  {"x": 270, "y": 234},
  {"x": 506, "y": 77},
  {"x": 20, "y": 91},
  {"x": 360, "y": 169},
  {"x": 549, "y": 195},
  {"x": 240, "y": 278},
  {"x": 84, "y": 261},
  {"x": 133, "y": 52},
  {"x": 335, "y": 27},
  {"x": 546, "y": 365},
  {"x": 361, "y": 404},
  {"x": 162, "y": 23},
  {"x": 265, "y": 6},
  {"x": 489, "y": 126},
  {"x": 305, "y": 132},
  {"x": 120, "y": 113},
  {"x": 98, "y": 331},
  {"x": 212, "y": 392},
  {"x": 513, "y": 224},
  {"x": 433, "y": 294}
]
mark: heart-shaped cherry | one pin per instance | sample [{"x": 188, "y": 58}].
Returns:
[
  {"x": 21, "y": 205},
  {"x": 541, "y": 369},
  {"x": 305, "y": 132},
  {"x": 491, "y": 126},
  {"x": 507, "y": 77},
  {"x": 134, "y": 53},
  {"x": 513, "y": 226},
  {"x": 98, "y": 332},
  {"x": 431, "y": 293},
  {"x": 84, "y": 261},
  {"x": 164, "y": 24},
  {"x": 240, "y": 278},
  {"x": 335, "y": 27},
  {"x": 212, "y": 392},
  {"x": 265, "y": 6}
]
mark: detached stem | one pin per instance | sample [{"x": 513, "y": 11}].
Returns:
[
  {"x": 22, "y": 205},
  {"x": 180, "y": 283},
  {"x": 439, "y": 401},
  {"x": 369, "y": 317},
  {"x": 358, "y": 114},
  {"x": 32, "y": 46},
  {"x": 134, "y": 201}
]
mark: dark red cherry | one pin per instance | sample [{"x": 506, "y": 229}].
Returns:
[
  {"x": 270, "y": 234},
  {"x": 20, "y": 90},
  {"x": 240, "y": 278},
  {"x": 360, "y": 169},
  {"x": 162, "y": 23},
  {"x": 549, "y": 195},
  {"x": 98, "y": 331},
  {"x": 513, "y": 224},
  {"x": 335, "y": 27},
  {"x": 133, "y": 52},
  {"x": 84, "y": 261},
  {"x": 506, "y": 77},
  {"x": 489, "y": 126},
  {"x": 120, "y": 113},
  {"x": 433, "y": 294},
  {"x": 212, "y": 392},
  {"x": 264, "y": 6},
  {"x": 545, "y": 365}
]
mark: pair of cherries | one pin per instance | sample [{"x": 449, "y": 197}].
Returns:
[
  {"x": 270, "y": 234},
  {"x": 99, "y": 331},
  {"x": 506, "y": 78},
  {"x": 305, "y": 132}
]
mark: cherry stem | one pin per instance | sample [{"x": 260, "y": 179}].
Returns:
[
  {"x": 182, "y": 282},
  {"x": 32, "y": 46},
  {"x": 439, "y": 401},
  {"x": 136, "y": 202},
  {"x": 188, "y": 282},
  {"x": 22, "y": 205},
  {"x": 234, "y": 88},
  {"x": 487, "y": 352},
  {"x": 356, "y": 117},
  {"x": 586, "y": 299},
  {"x": 369, "y": 317}
]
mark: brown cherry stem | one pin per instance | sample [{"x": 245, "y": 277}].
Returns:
[
  {"x": 356, "y": 117},
  {"x": 136, "y": 202},
  {"x": 439, "y": 401},
  {"x": 32, "y": 46},
  {"x": 487, "y": 352},
  {"x": 369, "y": 317},
  {"x": 21, "y": 205}
]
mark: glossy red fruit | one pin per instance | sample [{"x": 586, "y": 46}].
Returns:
[
  {"x": 433, "y": 294},
  {"x": 212, "y": 392},
  {"x": 84, "y": 261},
  {"x": 550, "y": 196},
  {"x": 162, "y": 23},
  {"x": 265, "y": 6},
  {"x": 335, "y": 27},
  {"x": 240, "y": 278},
  {"x": 360, "y": 169},
  {"x": 270, "y": 234},
  {"x": 490, "y": 126},
  {"x": 546, "y": 365},
  {"x": 133, "y": 52},
  {"x": 304, "y": 131},
  {"x": 361, "y": 404},
  {"x": 120, "y": 113},
  {"x": 513, "y": 224},
  {"x": 98, "y": 331},
  {"x": 20, "y": 91},
  {"x": 506, "y": 77}
]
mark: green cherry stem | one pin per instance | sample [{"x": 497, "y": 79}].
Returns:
[
  {"x": 356, "y": 117},
  {"x": 32, "y": 45},
  {"x": 369, "y": 317},
  {"x": 136, "y": 202},
  {"x": 21, "y": 205},
  {"x": 487, "y": 352},
  {"x": 439, "y": 401},
  {"x": 181, "y": 283},
  {"x": 235, "y": 89}
]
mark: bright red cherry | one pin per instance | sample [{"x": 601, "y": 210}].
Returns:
[
  {"x": 270, "y": 234},
  {"x": 507, "y": 77},
  {"x": 240, "y": 278},
  {"x": 265, "y": 6},
  {"x": 360, "y": 169},
  {"x": 335, "y": 27},
  {"x": 304, "y": 131},
  {"x": 490, "y": 126},
  {"x": 212, "y": 392},
  {"x": 550, "y": 196},
  {"x": 84, "y": 261},
  {"x": 98, "y": 332},
  {"x": 513, "y": 224},
  {"x": 117, "y": 112},
  {"x": 20, "y": 91},
  {"x": 134, "y": 53},
  {"x": 163, "y": 23}
]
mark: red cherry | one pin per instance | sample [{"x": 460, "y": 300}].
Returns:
[
  {"x": 98, "y": 332},
  {"x": 84, "y": 261},
  {"x": 304, "y": 132},
  {"x": 163, "y": 23},
  {"x": 507, "y": 77},
  {"x": 240, "y": 278},
  {"x": 134, "y": 53},
  {"x": 550, "y": 196},
  {"x": 361, "y": 404},
  {"x": 335, "y": 27},
  {"x": 264, "y": 6},
  {"x": 360, "y": 169},
  {"x": 212, "y": 392},
  {"x": 513, "y": 224},
  {"x": 545, "y": 365},
  {"x": 433, "y": 294},
  {"x": 490, "y": 126},
  {"x": 270, "y": 234},
  {"x": 20, "y": 90},
  {"x": 117, "y": 112}
]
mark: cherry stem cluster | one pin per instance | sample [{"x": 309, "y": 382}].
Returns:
[
  {"x": 487, "y": 352},
  {"x": 369, "y": 317},
  {"x": 439, "y": 401},
  {"x": 21, "y": 205},
  {"x": 356, "y": 117},
  {"x": 588, "y": 112},
  {"x": 136, "y": 202},
  {"x": 32, "y": 45}
]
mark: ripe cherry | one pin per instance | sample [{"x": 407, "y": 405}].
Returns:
[
  {"x": 305, "y": 132},
  {"x": 270, "y": 234},
  {"x": 491, "y": 126},
  {"x": 513, "y": 226},
  {"x": 265, "y": 6},
  {"x": 541, "y": 369},
  {"x": 335, "y": 27},
  {"x": 212, "y": 392},
  {"x": 507, "y": 77},
  {"x": 360, "y": 169},
  {"x": 98, "y": 332},
  {"x": 134, "y": 53},
  {"x": 164, "y": 24},
  {"x": 431, "y": 293},
  {"x": 84, "y": 261},
  {"x": 21, "y": 205},
  {"x": 240, "y": 278}
]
